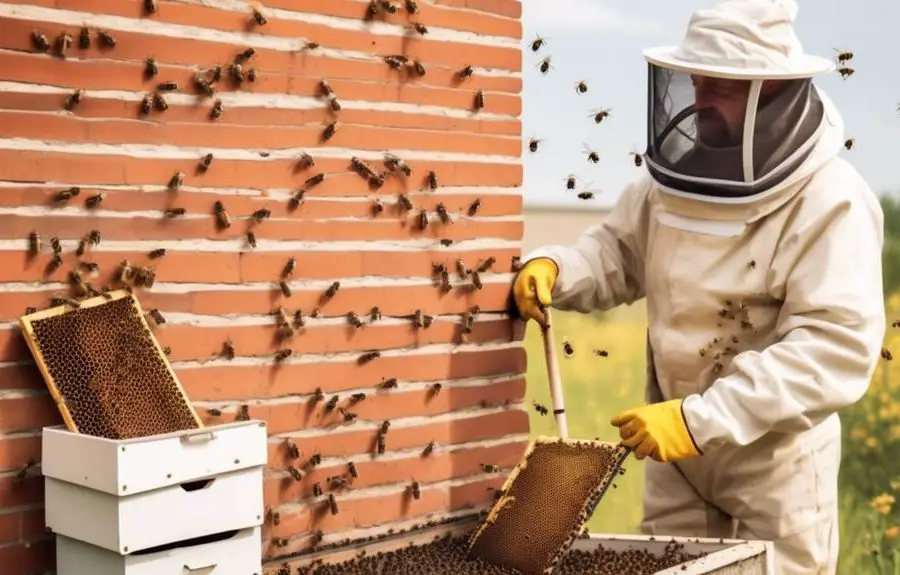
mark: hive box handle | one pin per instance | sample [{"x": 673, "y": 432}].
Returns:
[
  {"x": 197, "y": 485},
  {"x": 198, "y": 437},
  {"x": 200, "y": 568}
]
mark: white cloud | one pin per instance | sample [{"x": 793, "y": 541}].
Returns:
[{"x": 586, "y": 15}]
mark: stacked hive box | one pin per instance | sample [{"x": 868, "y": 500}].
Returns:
[{"x": 211, "y": 286}]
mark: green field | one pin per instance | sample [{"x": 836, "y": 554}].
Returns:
[{"x": 596, "y": 388}]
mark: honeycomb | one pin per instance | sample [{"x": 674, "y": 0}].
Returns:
[
  {"x": 106, "y": 370},
  {"x": 545, "y": 503}
]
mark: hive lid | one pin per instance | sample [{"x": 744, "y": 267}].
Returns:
[
  {"x": 105, "y": 369},
  {"x": 545, "y": 503}
]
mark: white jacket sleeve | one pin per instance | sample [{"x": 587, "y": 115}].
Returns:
[
  {"x": 829, "y": 332},
  {"x": 605, "y": 267}
]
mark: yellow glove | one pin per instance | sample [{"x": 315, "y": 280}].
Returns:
[
  {"x": 533, "y": 286},
  {"x": 657, "y": 430}
]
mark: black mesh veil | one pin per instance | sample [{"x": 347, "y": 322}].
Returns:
[{"x": 728, "y": 138}]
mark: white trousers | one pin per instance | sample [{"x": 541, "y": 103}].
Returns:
[{"x": 673, "y": 507}]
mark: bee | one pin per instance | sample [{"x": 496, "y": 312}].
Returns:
[
  {"x": 544, "y": 65},
  {"x": 317, "y": 537},
  {"x": 259, "y": 17},
  {"x": 206, "y": 88},
  {"x": 446, "y": 242},
  {"x": 486, "y": 264},
  {"x": 295, "y": 473},
  {"x": 329, "y": 131},
  {"x": 289, "y": 267},
  {"x": 385, "y": 426},
  {"x": 435, "y": 389},
  {"x": 94, "y": 237},
  {"x": 465, "y": 72},
  {"x": 223, "y": 220},
  {"x": 157, "y": 316},
  {"x": 347, "y": 415},
  {"x": 416, "y": 491},
  {"x": 176, "y": 181},
  {"x": 542, "y": 409},
  {"x": 638, "y": 159},
  {"x": 63, "y": 42},
  {"x": 418, "y": 68},
  {"x": 305, "y": 161},
  {"x": 160, "y": 102},
  {"x": 145, "y": 276},
  {"x": 586, "y": 195},
  {"x": 368, "y": 356},
  {"x": 261, "y": 214},
  {"x": 568, "y": 349},
  {"x": 73, "y": 99},
  {"x": 479, "y": 100},
  {"x": 394, "y": 62},
  {"x": 332, "y": 504},
  {"x": 318, "y": 395},
  {"x": 283, "y": 354},
  {"x": 157, "y": 253},
  {"x": 849, "y": 143},
  {"x": 377, "y": 206},
  {"x": 380, "y": 444},
  {"x": 236, "y": 72},
  {"x": 354, "y": 319},
  {"x": 581, "y": 87},
  {"x": 205, "y": 161},
  {"x": 420, "y": 28},
  {"x": 299, "y": 320},
  {"x": 251, "y": 239},
  {"x": 125, "y": 272},
  {"x": 215, "y": 73},
  {"x": 476, "y": 280},
  {"x": 429, "y": 449},
  {"x": 388, "y": 7},
  {"x": 314, "y": 181},
  {"x": 375, "y": 313},
  {"x": 56, "y": 245},
  {"x": 361, "y": 167},
  {"x": 357, "y": 397},
  {"x": 252, "y": 75},
  {"x": 40, "y": 41},
  {"x": 332, "y": 290},
  {"x": 427, "y": 320},
  {"x": 537, "y": 43},
  {"x": 488, "y": 468},
  {"x": 312, "y": 45},
  {"x": 461, "y": 268},
  {"x": 146, "y": 104},
  {"x": 886, "y": 354},
  {"x": 411, "y": 6},
  {"x": 390, "y": 383},
  {"x": 337, "y": 481},
  {"x": 445, "y": 280},
  {"x": 94, "y": 201},
  {"x": 314, "y": 460},
  {"x": 280, "y": 541},
  {"x": 371, "y": 10},
  {"x": 315, "y": 313},
  {"x": 468, "y": 320},
  {"x": 352, "y": 468},
  {"x": 335, "y": 104},
  {"x": 245, "y": 55},
  {"x": 174, "y": 212},
  {"x": 150, "y": 6},
  {"x": 84, "y": 38},
  {"x": 845, "y": 72},
  {"x": 285, "y": 288},
  {"x": 66, "y": 195},
  {"x": 443, "y": 214},
  {"x": 332, "y": 403},
  {"x": 418, "y": 319},
  {"x": 393, "y": 163},
  {"x": 432, "y": 180},
  {"x": 423, "y": 219},
  {"x": 592, "y": 156},
  {"x": 216, "y": 111},
  {"x": 601, "y": 353},
  {"x": 151, "y": 69},
  {"x": 167, "y": 86},
  {"x": 296, "y": 200},
  {"x": 533, "y": 144},
  {"x": 34, "y": 243},
  {"x": 844, "y": 56},
  {"x": 228, "y": 349},
  {"x": 106, "y": 39}
]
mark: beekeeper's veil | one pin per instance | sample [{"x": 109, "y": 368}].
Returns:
[{"x": 718, "y": 125}]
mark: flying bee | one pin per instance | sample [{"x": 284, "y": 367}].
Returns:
[
  {"x": 223, "y": 220},
  {"x": 106, "y": 39},
  {"x": 150, "y": 6},
  {"x": 420, "y": 28},
  {"x": 332, "y": 504},
  {"x": 544, "y": 65},
  {"x": 329, "y": 131},
  {"x": 160, "y": 102},
  {"x": 157, "y": 253},
  {"x": 568, "y": 349},
  {"x": 571, "y": 181},
  {"x": 601, "y": 353},
  {"x": 206, "y": 88},
  {"x": 354, "y": 319},
  {"x": 368, "y": 356},
  {"x": 849, "y": 143},
  {"x": 586, "y": 195},
  {"x": 538, "y": 43},
  {"x": 886, "y": 354},
  {"x": 474, "y": 207},
  {"x": 418, "y": 68},
  {"x": 600, "y": 114},
  {"x": 429, "y": 449},
  {"x": 390, "y": 383},
  {"x": 843, "y": 56},
  {"x": 394, "y": 163},
  {"x": 251, "y": 239},
  {"x": 542, "y": 409},
  {"x": 479, "y": 100},
  {"x": 416, "y": 490},
  {"x": 432, "y": 180},
  {"x": 283, "y": 354},
  {"x": 40, "y": 41},
  {"x": 581, "y": 87},
  {"x": 63, "y": 43},
  {"x": 845, "y": 72},
  {"x": 73, "y": 99},
  {"x": 94, "y": 201},
  {"x": 443, "y": 214},
  {"x": 332, "y": 290},
  {"x": 533, "y": 144},
  {"x": 305, "y": 161},
  {"x": 638, "y": 159},
  {"x": 67, "y": 195},
  {"x": 216, "y": 111},
  {"x": 84, "y": 38},
  {"x": 423, "y": 219},
  {"x": 435, "y": 389},
  {"x": 259, "y": 17},
  {"x": 411, "y": 6},
  {"x": 151, "y": 69},
  {"x": 403, "y": 202},
  {"x": 465, "y": 72},
  {"x": 592, "y": 155}
]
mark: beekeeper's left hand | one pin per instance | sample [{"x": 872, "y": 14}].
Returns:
[{"x": 657, "y": 430}]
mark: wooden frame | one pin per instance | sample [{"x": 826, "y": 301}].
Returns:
[{"x": 26, "y": 324}]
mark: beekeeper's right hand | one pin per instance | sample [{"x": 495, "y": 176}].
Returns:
[{"x": 533, "y": 286}]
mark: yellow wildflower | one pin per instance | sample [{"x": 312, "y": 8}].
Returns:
[
  {"x": 892, "y": 532},
  {"x": 883, "y": 503}
]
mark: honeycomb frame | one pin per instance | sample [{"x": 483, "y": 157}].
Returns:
[
  {"x": 27, "y": 324},
  {"x": 586, "y": 508}
]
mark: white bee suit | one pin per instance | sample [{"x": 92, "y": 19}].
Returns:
[{"x": 765, "y": 303}]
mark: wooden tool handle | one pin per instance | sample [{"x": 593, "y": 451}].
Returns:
[{"x": 556, "y": 392}]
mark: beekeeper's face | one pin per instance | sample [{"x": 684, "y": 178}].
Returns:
[{"x": 721, "y": 104}]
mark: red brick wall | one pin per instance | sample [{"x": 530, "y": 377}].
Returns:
[{"x": 212, "y": 286}]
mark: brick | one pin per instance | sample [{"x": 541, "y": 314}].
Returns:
[
  {"x": 10, "y": 526},
  {"x": 82, "y": 169},
  {"x": 377, "y": 407},
  {"x": 15, "y": 451},
  {"x": 507, "y": 8},
  {"x": 29, "y": 558},
  {"x": 37, "y": 126},
  {"x": 27, "y": 413},
  {"x": 88, "y": 74},
  {"x": 15, "y": 494},
  {"x": 33, "y": 523}
]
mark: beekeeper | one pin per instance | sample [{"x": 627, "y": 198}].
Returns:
[{"x": 759, "y": 252}]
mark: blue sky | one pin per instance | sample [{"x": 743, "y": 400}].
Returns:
[{"x": 600, "y": 41}]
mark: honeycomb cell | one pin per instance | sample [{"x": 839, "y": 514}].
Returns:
[
  {"x": 105, "y": 367},
  {"x": 545, "y": 503}
]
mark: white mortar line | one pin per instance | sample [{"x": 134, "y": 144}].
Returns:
[
  {"x": 196, "y": 320},
  {"x": 254, "y": 100},
  {"x": 166, "y": 152},
  {"x": 242, "y": 39}
]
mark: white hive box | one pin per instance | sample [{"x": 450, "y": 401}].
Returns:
[
  {"x": 237, "y": 555},
  {"x": 130, "y": 495}
]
